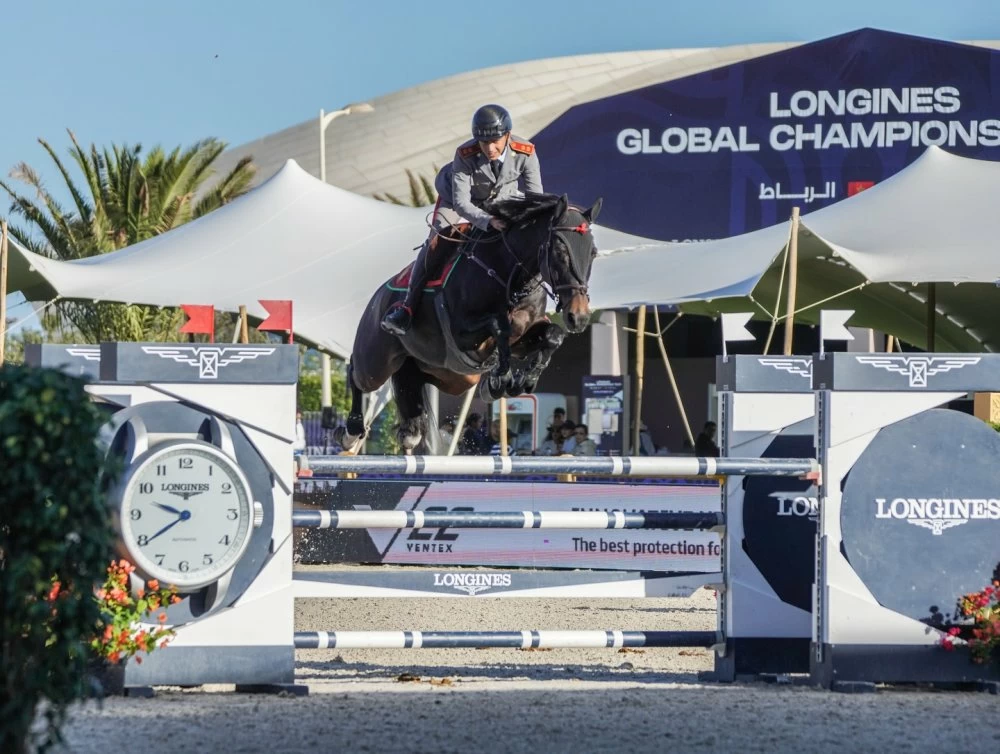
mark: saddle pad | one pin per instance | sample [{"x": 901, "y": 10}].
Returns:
[{"x": 402, "y": 280}]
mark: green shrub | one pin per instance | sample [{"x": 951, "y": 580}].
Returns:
[{"x": 56, "y": 539}]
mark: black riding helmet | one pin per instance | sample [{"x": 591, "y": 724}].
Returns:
[{"x": 490, "y": 122}]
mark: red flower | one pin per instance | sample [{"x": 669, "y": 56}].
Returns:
[
  {"x": 114, "y": 657},
  {"x": 54, "y": 591},
  {"x": 162, "y": 617},
  {"x": 153, "y": 584},
  {"x": 948, "y": 644},
  {"x": 175, "y": 599},
  {"x": 954, "y": 631}
]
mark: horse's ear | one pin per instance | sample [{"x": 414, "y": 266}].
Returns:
[
  {"x": 562, "y": 205},
  {"x": 592, "y": 213}
]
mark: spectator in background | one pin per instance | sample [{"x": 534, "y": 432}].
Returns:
[
  {"x": 704, "y": 443},
  {"x": 558, "y": 417},
  {"x": 583, "y": 446},
  {"x": 472, "y": 438},
  {"x": 495, "y": 438},
  {"x": 646, "y": 446},
  {"x": 299, "y": 446},
  {"x": 567, "y": 429},
  {"x": 552, "y": 444},
  {"x": 447, "y": 433}
]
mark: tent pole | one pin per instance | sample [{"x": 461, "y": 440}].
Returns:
[
  {"x": 244, "y": 335},
  {"x": 670, "y": 376},
  {"x": 3, "y": 290},
  {"x": 889, "y": 343},
  {"x": 460, "y": 423},
  {"x": 777, "y": 296},
  {"x": 503, "y": 426},
  {"x": 640, "y": 368},
  {"x": 931, "y": 311},
  {"x": 793, "y": 279}
]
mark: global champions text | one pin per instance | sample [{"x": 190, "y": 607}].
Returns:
[{"x": 808, "y": 104}]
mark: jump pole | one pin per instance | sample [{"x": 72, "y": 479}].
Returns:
[
  {"x": 619, "y": 466},
  {"x": 419, "y": 519},
  {"x": 502, "y": 639}
]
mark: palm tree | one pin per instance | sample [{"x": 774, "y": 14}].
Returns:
[
  {"x": 422, "y": 191},
  {"x": 125, "y": 198}
]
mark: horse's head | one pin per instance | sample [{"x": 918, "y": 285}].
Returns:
[
  {"x": 567, "y": 260},
  {"x": 552, "y": 238}
]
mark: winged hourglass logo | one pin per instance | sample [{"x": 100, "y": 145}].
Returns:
[
  {"x": 800, "y": 367},
  {"x": 208, "y": 359},
  {"x": 918, "y": 368}
]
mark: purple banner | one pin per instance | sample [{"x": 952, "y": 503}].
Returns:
[{"x": 732, "y": 150}]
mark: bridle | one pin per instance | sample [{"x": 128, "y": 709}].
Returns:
[{"x": 578, "y": 283}]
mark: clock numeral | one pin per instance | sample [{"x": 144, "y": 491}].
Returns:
[
  {"x": 185, "y": 463},
  {"x": 210, "y": 467},
  {"x": 232, "y": 515},
  {"x": 224, "y": 540},
  {"x": 159, "y": 559},
  {"x": 135, "y": 514},
  {"x": 227, "y": 488},
  {"x": 207, "y": 560},
  {"x": 161, "y": 469},
  {"x": 183, "y": 566},
  {"x": 146, "y": 488},
  {"x": 143, "y": 540}
]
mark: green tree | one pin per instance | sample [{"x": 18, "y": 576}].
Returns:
[
  {"x": 125, "y": 197},
  {"x": 422, "y": 191},
  {"x": 14, "y": 344}
]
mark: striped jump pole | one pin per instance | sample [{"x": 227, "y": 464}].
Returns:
[
  {"x": 418, "y": 519},
  {"x": 501, "y": 639},
  {"x": 637, "y": 466}
]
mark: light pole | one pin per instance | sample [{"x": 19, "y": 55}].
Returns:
[{"x": 325, "y": 119}]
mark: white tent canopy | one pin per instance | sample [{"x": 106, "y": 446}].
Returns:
[
  {"x": 327, "y": 249},
  {"x": 293, "y": 237}
]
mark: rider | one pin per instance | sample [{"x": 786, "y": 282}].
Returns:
[{"x": 486, "y": 168}]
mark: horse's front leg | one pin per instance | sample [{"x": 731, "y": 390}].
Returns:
[
  {"x": 539, "y": 344},
  {"x": 500, "y": 330}
]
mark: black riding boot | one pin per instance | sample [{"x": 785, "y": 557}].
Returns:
[{"x": 398, "y": 319}]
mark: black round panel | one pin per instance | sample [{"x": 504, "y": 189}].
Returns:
[
  {"x": 921, "y": 513},
  {"x": 779, "y": 524}
]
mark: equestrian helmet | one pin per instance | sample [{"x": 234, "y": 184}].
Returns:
[{"x": 491, "y": 122}]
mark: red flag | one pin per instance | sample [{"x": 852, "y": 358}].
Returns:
[
  {"x": 279, "y": 317},
  {"x": 856, "y": 187},
  {"x": 201, "y": 319}
]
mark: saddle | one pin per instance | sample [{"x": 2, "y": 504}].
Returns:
[{"x": 455, "y": 240}]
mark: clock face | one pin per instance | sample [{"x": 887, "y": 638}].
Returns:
[{"x": 186, "y": 514}]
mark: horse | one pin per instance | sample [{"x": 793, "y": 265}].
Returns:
[{"x": 487, "y": 320}]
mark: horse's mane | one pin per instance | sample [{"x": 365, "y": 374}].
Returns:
[{"x": 520, "y": 210}]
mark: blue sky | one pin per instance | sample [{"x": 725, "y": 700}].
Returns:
[
  {"x": 147, "y": 72},
  {"x": 171, "y": 73}
]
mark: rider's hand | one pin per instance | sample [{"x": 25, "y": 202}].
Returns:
[{"x": 498, "y": 224}]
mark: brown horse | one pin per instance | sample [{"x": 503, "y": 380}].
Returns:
[{"x": 488, "y": 319}]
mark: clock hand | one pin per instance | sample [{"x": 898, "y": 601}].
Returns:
[
  {"x": 168, "y": 509},
  {"x": 184, "y": 516}
]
